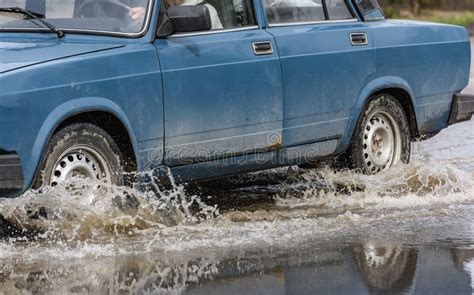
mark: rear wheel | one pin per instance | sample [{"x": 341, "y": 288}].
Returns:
[
  {"x": 82, "y": 151},
  {"x": 382, "y": 138}
]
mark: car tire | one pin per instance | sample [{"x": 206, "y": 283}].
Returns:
[
  {"x": 382, "y": 137},
  {"x": 83, "y": 150}
]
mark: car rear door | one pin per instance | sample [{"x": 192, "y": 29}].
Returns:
[
  {"x": 222, "y": 91},
  {"x": 326, "y": 56}
]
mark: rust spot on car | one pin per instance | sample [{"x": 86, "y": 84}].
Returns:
[{"x": 275, "y": 141}]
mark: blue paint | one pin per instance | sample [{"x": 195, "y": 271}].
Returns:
[
  {"x": 207, "y": 106},
  {"x": 322, "y": 73},
  {"x": 212, "y": 108}
]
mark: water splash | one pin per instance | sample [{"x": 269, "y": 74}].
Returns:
[
  {"x": 98, "y": 212},
  {"x": 106, "y": 224},
  {"x": 101, "y": 224},
  {"x": 405, "y": 186},
  {"x": 78, "y": 210}
]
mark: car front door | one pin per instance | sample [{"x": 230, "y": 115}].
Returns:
[
  {"x": 326, "y": 56},
  {"x": 222, "y": 90}
]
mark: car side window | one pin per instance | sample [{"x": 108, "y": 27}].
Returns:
[
  {"x": 225, "y": 14},
  {"x": 296, "y": 11},
  {"x": 338, "y": 10},
  {"x": 234, "y": 13}
]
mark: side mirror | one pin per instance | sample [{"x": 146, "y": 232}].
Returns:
[
  {"x": 165, "y": 27},
  {"x": 183, "y": 19}
]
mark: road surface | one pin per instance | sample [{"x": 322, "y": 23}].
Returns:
[{"x": 284, "y": 231}]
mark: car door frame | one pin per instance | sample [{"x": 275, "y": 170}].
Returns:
[
  {"x": 340, "y": 126},
  {"x": 248, "y": 160}
]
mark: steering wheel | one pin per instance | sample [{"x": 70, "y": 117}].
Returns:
[{"x": 102, "y": 4}]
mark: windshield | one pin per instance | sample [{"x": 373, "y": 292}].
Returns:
[{"x": 106, "y": 16}]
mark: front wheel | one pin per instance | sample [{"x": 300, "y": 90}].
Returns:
[
  {"x": 382, "y": 138},
  {"x": 82, "y": 151}
]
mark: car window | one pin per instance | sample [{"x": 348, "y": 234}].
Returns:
[
  {"x": 234, "y": 13},
  {"x": 366, "y": 6},
  {"x": 338, "y": 10},
  {"x": 115, "y": 16},
  {"x": 296, "y": 11},
  {"x": 293, "y": 11},
  {"x": 225, "y": 14},
  {"x": 370, "y": 10}
]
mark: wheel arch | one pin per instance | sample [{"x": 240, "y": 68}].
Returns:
[
  {"x": 94, "y": 110},
  {"x": 395, "y": 86}
]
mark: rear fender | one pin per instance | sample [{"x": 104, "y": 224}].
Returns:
[{"x": 363, "y": 99}]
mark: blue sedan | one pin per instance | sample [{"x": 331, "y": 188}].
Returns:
[{"x": 203, "y": 89}]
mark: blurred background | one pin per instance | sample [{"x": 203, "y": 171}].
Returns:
[{"x": 457, "y": 12}]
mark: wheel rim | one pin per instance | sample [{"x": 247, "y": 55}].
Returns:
[
  {"x": 382, "y": 143},
  {"x": 80, "y": 162}
]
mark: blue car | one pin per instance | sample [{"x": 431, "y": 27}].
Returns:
[{"x": 98, "y": 89}]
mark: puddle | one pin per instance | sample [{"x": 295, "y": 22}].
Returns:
[{"x": 286, "y": 230}]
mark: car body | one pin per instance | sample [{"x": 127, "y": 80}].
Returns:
[{"x": 214, "y": 103}]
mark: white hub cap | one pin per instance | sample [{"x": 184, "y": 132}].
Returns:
[
  {"x": 80, "y": 162},
  {"x": 382, "y": 142}
]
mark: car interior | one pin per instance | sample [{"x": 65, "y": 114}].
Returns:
[{"x": 233, "y": 13}]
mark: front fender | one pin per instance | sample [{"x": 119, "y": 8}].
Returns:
[
  {"x": 59, "y": 115},
  {"x": 363, "y": 98}
]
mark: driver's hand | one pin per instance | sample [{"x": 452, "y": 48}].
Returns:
[{"x": 137, "y": 13}]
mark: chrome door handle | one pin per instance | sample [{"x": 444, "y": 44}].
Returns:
[
  {"x": 262, "y": 48},
  {"x": 359, "y": 39}
]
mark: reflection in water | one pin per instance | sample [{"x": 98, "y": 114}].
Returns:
[
  {"x": 386, "y": 270},
  {"x": 368, "y": 268},
  {"x": 463, "y": 258},
  {"x": 107, "y": 276},
  {"x": 469, "y": 267}
]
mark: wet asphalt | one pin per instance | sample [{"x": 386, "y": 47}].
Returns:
[{"x": 283, "y": 232}]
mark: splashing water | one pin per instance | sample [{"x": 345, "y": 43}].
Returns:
[
  {"x": 99, "y": 210},
  {"x": 287, "y": 207},
  {"x": 404, "y": 186}
]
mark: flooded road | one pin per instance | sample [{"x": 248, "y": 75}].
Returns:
[{"x": 284, "y": 231}]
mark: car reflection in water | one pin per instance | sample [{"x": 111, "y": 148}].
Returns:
[
  {"x": 385, "y": 269},
  {"x": 368, "y": 268}
]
